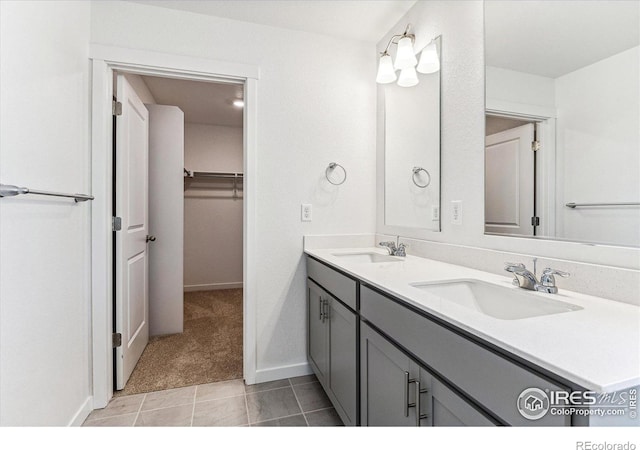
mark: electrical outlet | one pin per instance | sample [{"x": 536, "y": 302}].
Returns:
[
  {"x": 456, "y": 212},
  {"x": 435, "y": 212},
  {"x": 307, "y": 212}
]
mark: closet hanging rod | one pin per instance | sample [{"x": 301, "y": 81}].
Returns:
[{"x": 8, "y": 190}]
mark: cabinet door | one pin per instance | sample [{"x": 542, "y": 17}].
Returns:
[
  {"x": 385, "y": 382},
  {"x": 343, "y": 359},
  {"x": 447, "y": 409},
  {"x": 318, "y": 338}
]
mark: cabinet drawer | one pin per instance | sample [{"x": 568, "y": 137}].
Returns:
[
  {"x": 488, "y": 378},
  {"x": 338, "y": 285}
]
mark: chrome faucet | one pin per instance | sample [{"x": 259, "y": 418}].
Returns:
[
  {"x": 524, "y": 279},
  {"x": 548, "y": 280},
  {"x": 395, "y": 248}
]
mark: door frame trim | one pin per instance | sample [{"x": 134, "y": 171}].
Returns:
[{"x": 104, "y": 60}]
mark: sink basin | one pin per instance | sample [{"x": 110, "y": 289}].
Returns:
[
  {"x": 366, "y": 257},
  {"x": 496, "y": 301}
]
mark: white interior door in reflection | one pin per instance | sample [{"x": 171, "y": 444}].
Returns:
[{"x": 509, "y": 181}]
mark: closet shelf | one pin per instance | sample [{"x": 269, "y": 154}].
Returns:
[{"x": 225, "y": 175}]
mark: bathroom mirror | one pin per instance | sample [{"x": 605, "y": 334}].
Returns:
[
  {"x": 562, "y": 149},
  {"x": 411, "y": 130}
]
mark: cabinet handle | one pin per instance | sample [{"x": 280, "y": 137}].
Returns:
[
  {"x": 407, "y": 382},
  {"x": 419, "y": 392},
  {"x": 323, "y": 309},
  {"x": 325, "y": 313}
]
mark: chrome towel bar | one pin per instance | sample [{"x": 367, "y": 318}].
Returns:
[
  {"x": 8, "y": 190},
  {"x": 589, "y": 205}
]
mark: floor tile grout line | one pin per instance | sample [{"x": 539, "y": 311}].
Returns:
[
  {"x": 193, "y": 410},
  {"x": 281, "y": 387},
  {"x": 278, "y": 418},
  {"x": 246, "y": 406},
  {"x": 219, "y": 398},
  {"x": 306, "y": 382},
  {"x": 139, "y": 410},
  {"x": 298, "y": 402},
  {"x": 164, "y": 407},
  {"x": 269, "y": 390},
  {"x": 319, "y": 409}
]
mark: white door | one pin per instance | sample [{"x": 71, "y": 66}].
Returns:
[
  {"x": 132, "y": 265},
  {"x": 509, "y": 181}
]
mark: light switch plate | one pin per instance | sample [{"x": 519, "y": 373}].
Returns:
[
  {"x": 306, "y": 212},
  {"x": 435, "y": 213},
  {"x": 456, "y": 212}
]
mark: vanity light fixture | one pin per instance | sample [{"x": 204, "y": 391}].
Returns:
[
  {"x": 406, "y": 60},
  {"x": 429, "y": 60},
  {"x": 408, "y": 77},
  {"x": 405, "y": 57},
  {"x": 386, "y": 72}
]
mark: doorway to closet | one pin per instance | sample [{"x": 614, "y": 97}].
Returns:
[{"x": 192, "y": 308}]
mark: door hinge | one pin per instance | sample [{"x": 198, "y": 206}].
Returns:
[
  {"x": 535, "y": 221},
  {"x": 116, "y": 339},
  {"x": 116, "y": 223},
  {"x": 535, "y": 145},
  {"x": 116, "y": 108}
]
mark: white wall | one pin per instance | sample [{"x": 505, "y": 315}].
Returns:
[
  {"x": 316, "y": 104},
  {"x": 519, "y": 87},
  {"x": 213, "y": 218},
  {"x": 44, "y": 242},
  {"x": 463, "y": 106},
  {"x": 599, "y": 141}
]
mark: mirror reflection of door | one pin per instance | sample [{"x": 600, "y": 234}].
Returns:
[
  {"x": 510, "y": 177},
  {"x": 583, "y": 93}
]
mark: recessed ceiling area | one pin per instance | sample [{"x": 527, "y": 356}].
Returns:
[
  {"x": 553, "y": 38},
  {"x": 362, "y": 20},
  {"x": 202, "y": 102}
]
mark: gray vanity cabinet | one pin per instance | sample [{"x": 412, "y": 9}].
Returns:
[
  {"x": 318, "y": 331},
  {"x": 447, "y": 409},
  {"x": 395, "y": 388},
  {"x": 332, "y": 350},
  {"x": 488, "y": 378},
  {"x": 385, "y": 373}
]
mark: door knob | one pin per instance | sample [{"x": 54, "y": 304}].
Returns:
[{"x": 150, "y": 238}]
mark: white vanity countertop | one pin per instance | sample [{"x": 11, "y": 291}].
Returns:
[{"x": 597, "y": 347}]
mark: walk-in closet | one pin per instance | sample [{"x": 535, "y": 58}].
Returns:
[{"x": 195, "y": 233}]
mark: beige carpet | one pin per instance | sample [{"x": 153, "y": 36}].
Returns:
[{"x": 209, "y": 349}]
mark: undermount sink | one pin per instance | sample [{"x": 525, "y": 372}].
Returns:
[
  {"x": 366, "y": 257},
  {"x": 496, "y": 301}
]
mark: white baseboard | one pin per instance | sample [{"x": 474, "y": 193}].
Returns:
[
  {"x": 212, "y": 287},
  {"x": 282, "y": 372},
  {"x": 83, "y": 413}
]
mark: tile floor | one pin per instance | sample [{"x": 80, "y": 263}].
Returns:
[{"x": 292, "y": 402}]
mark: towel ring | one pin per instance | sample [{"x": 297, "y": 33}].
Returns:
[
  {"x": 331, "y": 167},
  {"x": 416, "y": 171}
]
